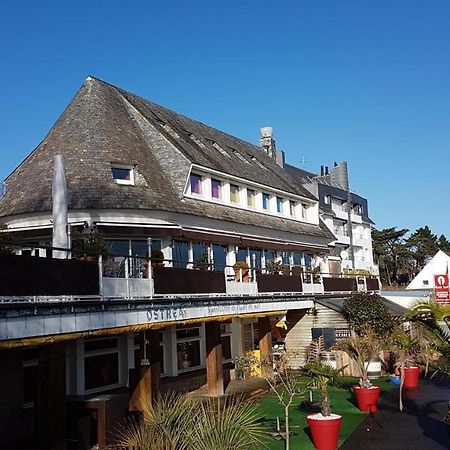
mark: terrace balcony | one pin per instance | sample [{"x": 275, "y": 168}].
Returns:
[{"x": 134, "y": 278}]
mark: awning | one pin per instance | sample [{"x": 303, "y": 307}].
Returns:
[{"x": 46, "y": 340}]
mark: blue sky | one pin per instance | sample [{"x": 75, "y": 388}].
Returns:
[{"x": 362, "y": 81}]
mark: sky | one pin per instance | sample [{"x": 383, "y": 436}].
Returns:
[{"x": 359, "y": 81}]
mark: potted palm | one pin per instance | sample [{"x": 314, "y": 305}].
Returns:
[
  {"x": 363, "y": 349},
  {"x": 87, "y": 246},
  {"x": 324, "y": 426}
]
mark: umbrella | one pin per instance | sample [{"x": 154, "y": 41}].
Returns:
[{"x": 60, "y": 209}]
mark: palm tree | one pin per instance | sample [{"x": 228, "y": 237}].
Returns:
[
  {"x": 178, "y": 422},
  {"x": 362, "y": 349},
  {"x": 434, "y": 320},
  {"x": 321, "y": 376}
]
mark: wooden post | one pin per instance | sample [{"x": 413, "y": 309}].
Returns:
[
  {"x": 155, "y": 363},
  {"x": 50, "y": 407},
  {"x": 214, "y": 363},
  {"x": 265, "y": 346},
  {"x": 147, "y": 373}
]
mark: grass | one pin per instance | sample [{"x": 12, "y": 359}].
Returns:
[{"x": 342, "y": 402}]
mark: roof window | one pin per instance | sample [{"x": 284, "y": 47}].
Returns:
[
  {"x": 258, "y": 163},
  {"x": 220, "y": 149},
  {"x": 198, "y": 141},
  {"x": 171, "y": 131},
  {"x": 240, "y": 156},
  {"x": 123, "y": 174}
]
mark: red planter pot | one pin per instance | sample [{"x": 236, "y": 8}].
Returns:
[
  {"x": 367, "y": 398},
  {"x": 411, "y": 377},
  {"x": 325, "y": 432}
]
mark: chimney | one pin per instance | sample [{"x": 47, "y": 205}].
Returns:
[
  {"x": 339, "y": 175},
  {"x": 321, "y": 171},
  {"x": 279, "y": 157},
  {"x": 326, "y": 171},
  {"x": 267, "y": 142}
]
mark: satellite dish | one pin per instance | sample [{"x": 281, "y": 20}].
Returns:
[{"x": 344, "y": 254}]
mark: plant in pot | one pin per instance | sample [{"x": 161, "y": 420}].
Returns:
[
  {"x": 87, "y": 246},
  {"x": 409, "y": 351},
  {"x": 241, "y": 271},
  {"x": 274, "y": 266},
  {"x": 202, "y": 262},
  {"x": 324, "y": 426},
  {"x": 363, "y": 349}
]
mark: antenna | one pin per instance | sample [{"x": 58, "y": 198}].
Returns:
[{"x": 303, "y": 161}]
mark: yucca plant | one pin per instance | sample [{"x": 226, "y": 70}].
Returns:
[
  {"x": 167, "y": 425},
  {"x": 178, "y": 422},
  {"x": 229, "y": 424}
]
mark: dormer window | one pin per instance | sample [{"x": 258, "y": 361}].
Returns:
[
  {"x": 279, "y": 205},
  {"x": 234, "y": 193},
  {"x": 123, "y": 174},
  {"x": 304, "y": 211},
  {"x": 216, "y": 189},
  {"x": 196, "y": 184},
  {"x": 251, "y": 195},
  {"x": 265, "y": 201},
  {"x": 292, "y": 206}
]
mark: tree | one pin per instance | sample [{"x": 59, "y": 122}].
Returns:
[
  {"x": 368, "y": 311},
  {"x": 362, "y": 349},
  {"x": 422, "y": 245},
  {"x": 389, "y": 252},
  {"x": 284, "y": 385},
  {"x": 320, "y": 376},
  {"x": 443, "y": 243}
]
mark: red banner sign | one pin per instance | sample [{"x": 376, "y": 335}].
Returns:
[{"x": 441, "y": 289}]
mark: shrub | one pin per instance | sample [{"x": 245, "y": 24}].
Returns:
[{"x": 368, "y": 310}]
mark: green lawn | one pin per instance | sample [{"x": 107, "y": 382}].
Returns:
[{"x": 341, "y": 403}]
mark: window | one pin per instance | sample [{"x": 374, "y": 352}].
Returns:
[
  {"x": 304, "y": 211},
  {"x": 279, "y": 205},
  {"x": 234, "y": 193},
  {"x": 256, "y": 258},
  {"x": 251, "y": 195},
  {"x": 216, "y": 188},
  {"x": 292, "y": 206},
  {"x": 225, "y": 333},
  {"x": 265, "y": 201},
  {"x": 188, "y": 348},
  {"x": 196, "y": 184},
  {"x": 123, "y": 175},
  {"x": 327, "y": 199},
  {"x": 200, "y": 254},
  {"x": 297, "y": 258},
  {"x": 286, "y": 258},
  {"x": 180, "y": 254},
  {"x": 219, "y": 257},
  {"x": 101, "y": 363},
  {"x": 162, "y": 345}
]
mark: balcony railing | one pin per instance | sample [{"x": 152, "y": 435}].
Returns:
[{"x": 121, "y": 276}]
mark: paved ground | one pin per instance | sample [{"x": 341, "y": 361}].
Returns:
[{"x": 420, "y": 426}]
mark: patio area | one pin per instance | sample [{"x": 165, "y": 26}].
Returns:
[{"x": 420, "y": 426}]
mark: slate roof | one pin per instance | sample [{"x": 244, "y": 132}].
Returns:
[
  {"x": 337, "y": 304},
  {"x": 104, "y": 124}
]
